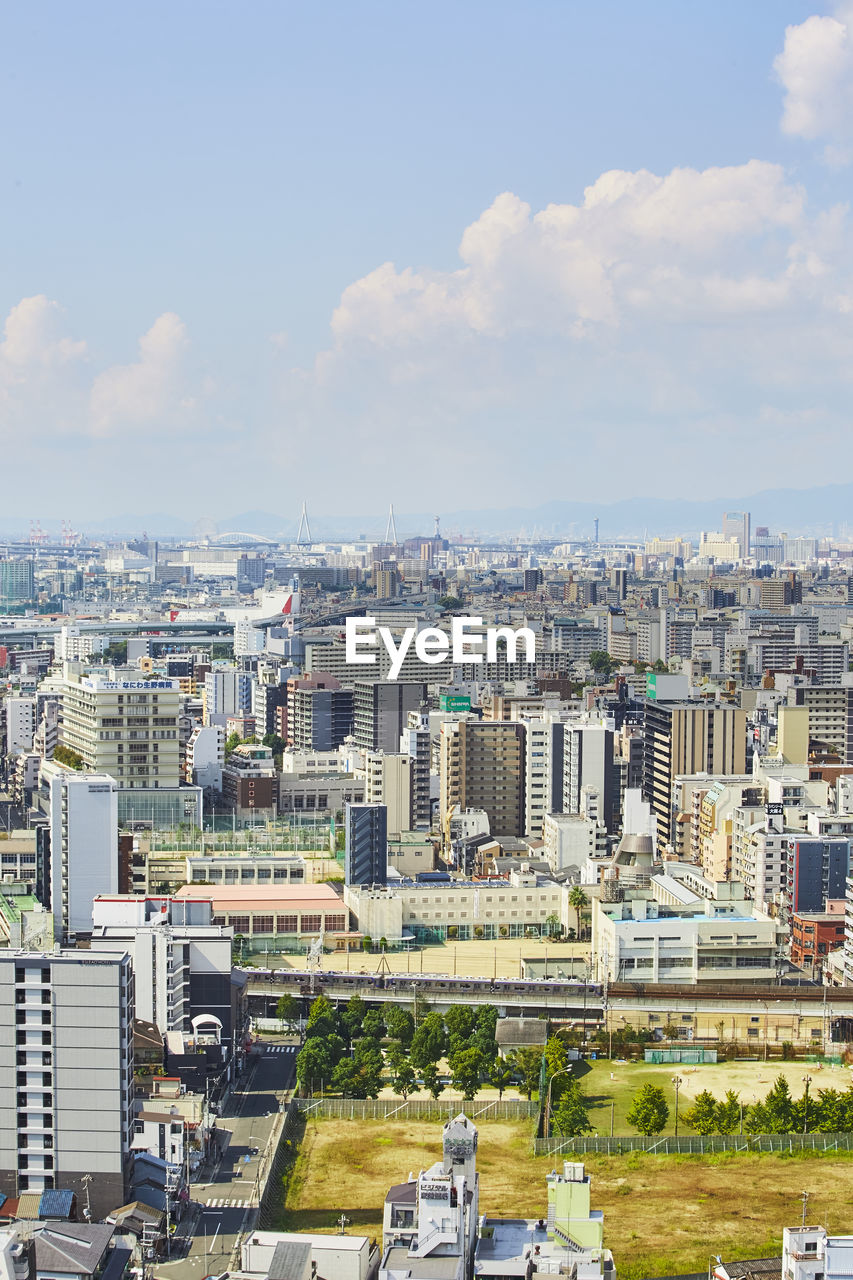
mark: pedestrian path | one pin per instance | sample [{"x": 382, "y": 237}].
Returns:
[
  {"x": 228, "y": 1203},
  {"x": 280, "y": 1048}
]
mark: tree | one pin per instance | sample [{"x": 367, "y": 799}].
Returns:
[
  {"x": 352, "y": 1016},
  {"x": 830, "y": 1112},
  {"x": 429, "y": 1041},
  {"x": 321, "y": 1018},
  {"x": 755, "y": 1118},
  {"x": 729, "y": 1113},
  {"x": 671, "y": 1030},
  {"x": 601, "y": 662},
  {"x": 400, "y": 1024},
  {"x": 484, "y": 1032},
  {"x": 553, "y": 926},
  {"x": 570, "y": 1115},
  {"x": 465, "y": 1066},
  {"x": 431, "y": 1080},
  {"x": 403, "y": 1079},
  {"x": 527, "y": 1063},
  {"x": 314, "y": 1064},
  {"x": 578, "y": 901},
  {"x": 232, "y": 742},
  {"x": 366, "y": 942},
  {"x": 287, "y": 1009},
  {"x": 649, "y": 1111},
  {"x": 449, "y": 604},
  {"x": 372, "y": 1025},
  {"x": 703, "y": 1116},
  {"x": 778, "y": 1107},
  {"x": 500, "y": 1076},
  {"x": 273, "y": 741},
  {"x": 460, "y": 1021},
  {"x": 556, "y": 1058},
  {"x": 68, "y": 756}
]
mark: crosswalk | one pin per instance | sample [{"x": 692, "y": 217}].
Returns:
[
  {"x": 280, "y": 1048},
  {"x": 225, "y": 1204}
]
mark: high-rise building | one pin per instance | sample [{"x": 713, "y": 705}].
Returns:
[
  {"x": 687, "y": 738},
  {"x": 482, "y": 766},
  {"x": 366, "y": 849},
  {"x": 381, "y": 712},
  {"x": 17, "y": 581},
  {"x": 20, "y": 724},
  {"x": 817, "y": 871},
  {"x": 319, "y": 713},
  {"x": 588, "y": 761},
  {"x": 66, "y": 1075},
  {"x": 227, "y": 692},
  {"x": 126, "y": 728},
  {"x": 388, "y": 781},
  {"x": 84, "y": 859},
  {"x": 415, "y": 741},
  {"x": 736, "y": 524}
]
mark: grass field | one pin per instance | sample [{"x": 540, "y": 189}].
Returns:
[
  {"x": 605, "y": 1083},
  {"x": 663, "y": 1215}
]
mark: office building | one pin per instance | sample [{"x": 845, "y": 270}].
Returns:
[
  {"x": 817, "y": 871},
  {"x": 66, "y": 1075},
  {"x": 415, "y": 741},
  {"x": 736, "y": 524},
  {"x": 366, "y": 856},
  {"x": 124, "y": 727},
  {"x": 588, "y": 761},
  {"x": 381, "y": 712}
]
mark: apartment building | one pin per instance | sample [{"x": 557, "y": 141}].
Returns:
[
  {"x": 181, "y": 960},
  {"x": 687, "y": 738},
  {"x": 319, "y": 712},
  {"x": 482, "y": 766},
  {"x": 415, "y": 741},
  {"x": 84, "y": 848},
  {"x": 126, "y": 728},
  {"x": 66, "y": 1075},
  {"x": 250, "y": 782},
  {"x": 389, "y": 781},
  {"x": 381, "y": 711}
]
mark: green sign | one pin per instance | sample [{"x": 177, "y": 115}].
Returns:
[{"x": 455, "y": 702}]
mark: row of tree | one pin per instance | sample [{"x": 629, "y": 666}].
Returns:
[
  {"x": 827, "y": 1111},
  {"x": 354, "y": 1049}
]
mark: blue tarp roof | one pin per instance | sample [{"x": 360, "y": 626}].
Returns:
[{"x": 56, "y": 1204}]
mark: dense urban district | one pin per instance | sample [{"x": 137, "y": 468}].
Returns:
[{"x": 426, "y": 908}]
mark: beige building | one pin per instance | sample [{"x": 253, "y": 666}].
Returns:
[
  {"x": 126, "y": 728},
  {"x": 388, "y": 780},
  {"x": 482, "y": 766}
]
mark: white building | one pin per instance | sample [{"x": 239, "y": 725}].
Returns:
[
  {"x": 83, "y": 844},
  {"x": 20, "y": 724},
  {"x": 811, "y": 1253},
  {"x": 75, "y": 645},
  {"x": 568, "y": 839},
  {"x": 173, "y": 948},
  {"x": 674, "y": 932},
  {"x": 206, "y": 756}
]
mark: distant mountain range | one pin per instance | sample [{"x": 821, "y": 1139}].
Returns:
[{"x": 823, "y": 511}]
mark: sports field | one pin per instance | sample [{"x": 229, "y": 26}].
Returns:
[
  {"x": 613, "y": 1085},
  {"x": 663, "y": 1215}
]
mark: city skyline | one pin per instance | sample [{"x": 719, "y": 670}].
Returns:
[{"x": 281, "y": 242}]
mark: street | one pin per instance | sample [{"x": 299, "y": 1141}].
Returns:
[{"x": 224, "y": 1205}]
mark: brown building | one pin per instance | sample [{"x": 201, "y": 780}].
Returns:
[
  {"x": 250, "y": 781},
  {"x": 815, "y": 933}
]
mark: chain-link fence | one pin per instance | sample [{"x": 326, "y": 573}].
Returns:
[{"x": 694, "y": 1145}]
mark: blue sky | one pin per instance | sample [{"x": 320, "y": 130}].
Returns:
[{"x": 237, "y": 267}]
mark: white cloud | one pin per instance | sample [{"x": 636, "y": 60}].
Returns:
[
  {"x": 815, "y": 69},
  {"x": 717, "y": 244},
  {"x": 150, "y": 391},
  {"x": 33, "y": 339}
]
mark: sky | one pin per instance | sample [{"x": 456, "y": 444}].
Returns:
[{"x": 437, "y": 254}]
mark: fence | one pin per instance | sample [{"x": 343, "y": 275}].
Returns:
[
  {"x": 271, "y": 1197},
  {"x": 697, "y": 1145},
  {"x": 416, "y": 1109}
]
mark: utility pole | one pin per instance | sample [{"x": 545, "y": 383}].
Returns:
[
  {"x": 676, "y": 1080},
  {"x": 805, "y": 1195}
]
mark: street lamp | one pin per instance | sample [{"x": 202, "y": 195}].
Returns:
[
  {"x": 563, "y": 1071},
  {"x": 806, "y": 1081},
  {"x": 676, "y": 1080}
]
